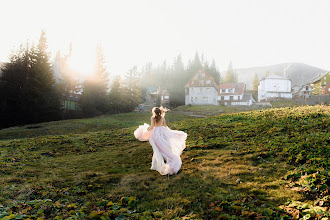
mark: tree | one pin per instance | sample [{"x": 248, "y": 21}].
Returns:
[
  {"x": 194, "y": 66},
  {"x": 132, "y": 92},
  {"x": 256, "y": 82},
  {"x": 116, "y": 99},
  {"x": 230, "y": 76},
  {"x": 178, "y": 78},
  {"x": 28, "y": 87},
  {"x": 213, "y": 71},
  {"x": 44, "y": 85},
  {"x": 68, "y": 82},
  {"x": 93, "y": 100}
]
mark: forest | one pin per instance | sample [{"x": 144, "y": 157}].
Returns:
[{"x": 30, "y": 91}]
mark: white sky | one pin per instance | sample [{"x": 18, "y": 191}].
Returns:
[{"x": 247, "y": 32}]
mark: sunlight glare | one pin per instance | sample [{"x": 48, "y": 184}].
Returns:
[{"x": 82, "y": 62}]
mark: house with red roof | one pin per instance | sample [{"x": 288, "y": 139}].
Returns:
[
  {"x": 203, "y": 90},
  {"x": 234, "y": 94}
]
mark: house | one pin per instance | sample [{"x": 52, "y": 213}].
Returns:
[
  {"x": 203, "y": 90},
  {"x": 321, "y": 84},
  {"x": 274, "y": 87},
  {"x": 70, "y": 101},
  {"x": 304, "y": 91},
  {"x": 234, "y": 94},
  {"x": 154, "y": 94}
]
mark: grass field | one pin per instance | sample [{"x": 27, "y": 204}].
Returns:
[{"x": 264, "y": 164}]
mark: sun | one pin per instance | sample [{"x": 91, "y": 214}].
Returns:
[{"x": 82, "y": 63}]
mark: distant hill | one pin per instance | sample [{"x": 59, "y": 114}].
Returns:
[{"x": 299, "y": 73}]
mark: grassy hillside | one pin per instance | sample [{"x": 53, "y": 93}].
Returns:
[{"x": 264, "y": 164}]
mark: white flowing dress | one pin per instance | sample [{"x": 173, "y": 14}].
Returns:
[{"x": 167, "y": 147}]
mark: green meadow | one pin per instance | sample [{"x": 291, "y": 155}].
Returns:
[{"x": 261, "y": 164}]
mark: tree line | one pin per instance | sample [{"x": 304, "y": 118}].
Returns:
[{"x": 30, "y": 92}]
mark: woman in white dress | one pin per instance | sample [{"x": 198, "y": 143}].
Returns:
[{"x": 167, "y": 144}]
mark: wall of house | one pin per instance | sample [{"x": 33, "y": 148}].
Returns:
[
  {"x": 227, "y": 97},
  {"x": 201, "y": 96},
  {"x": 274, "y": 88}
]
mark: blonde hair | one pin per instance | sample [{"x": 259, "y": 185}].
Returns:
[{"x": 159, "y": 112}]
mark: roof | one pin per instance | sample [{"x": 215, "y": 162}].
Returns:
[
  {"x": 194, "y": 81},
  {"x": 274, "y": 76},
  {"x": 319, "y": 77},
  {"x": 247, "y": 97},
  {"x": 239, "y": 88}
]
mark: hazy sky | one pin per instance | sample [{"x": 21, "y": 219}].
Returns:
[{"x": 247, "y": 32}]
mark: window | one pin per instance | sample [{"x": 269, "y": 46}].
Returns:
[
  {"x": 201, "y": 83},
  {"x": 231, "y": 97},
  {"x": 205, "y": 99},
  {"x": 202, "y": 74},
  {"x": 208, "y": 82},
  {"x": 196, "y": 99},
  {"x": 239, "y": 97},
  {"x": 166, "y": 97},
  {"x": 223, "y": 90},
  {"x": 162, "y": 98},
  {"x": 222, "y": 98}
]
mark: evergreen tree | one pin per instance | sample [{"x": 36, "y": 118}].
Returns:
[
  {"x": 68, "y": 82},
  {"x": 116, "y": 98},
  {"x": 44, "y": 84},
  {"x": 132, "y": 94},
  {"x": 230, "y": 76},
  {"x": 212, "y": 70},
  {"x": 29, "y": 91},
  {"x": 256, "y": 82},
  {"x": 93, "y": 100},
  {"x": 194, "y": 66},
  {"x": 178, "y": 78}
]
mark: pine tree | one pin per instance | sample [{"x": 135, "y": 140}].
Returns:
[
  {"x": 29, "y": 91},
  {"x": 230, "y": 76},
  {"x": 213, "y": 71},
  {"x": 68, "y": 82},
  {"x": 178, "y": 78},
  {"x": 116, "y": 98},
  {"x": 44, "y": 84},
  {"x": 194, "y": 66},
  {"x": 93, "y": 100},
  {"x": 132, "y": 90},
  {"x": 256, "y": 82}
]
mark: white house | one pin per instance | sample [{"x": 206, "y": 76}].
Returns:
[
  {"x": 273, "y": 87},
  {"x": 203, "y": 90},
  {"x": 234, "y": 94},
  {"x": 304, "y": 91}
]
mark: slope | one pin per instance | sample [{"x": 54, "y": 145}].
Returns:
[{"x": 261, "y": 164}]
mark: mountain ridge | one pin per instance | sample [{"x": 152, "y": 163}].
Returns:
[{"x": 299, "y": 73}]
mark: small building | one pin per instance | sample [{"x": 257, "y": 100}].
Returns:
[
  {"x": 154, "y": 94},
  {"x": 71, "y": 102},
  {"x": 304, "y": 91},
  {"x": 321, "y": 84},
  {"x": 274, "y": 87},
  {"x": 234, "y": 94},
  {"x": 201, "y": 90}
]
